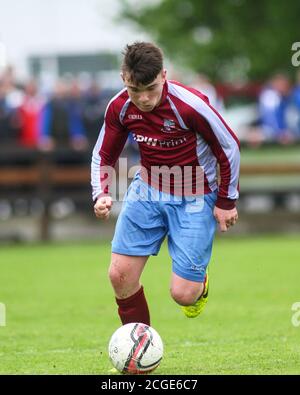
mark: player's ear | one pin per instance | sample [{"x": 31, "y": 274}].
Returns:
[
  {"x": 122, "y": 76},
  {"x": 164, "y": 74}
]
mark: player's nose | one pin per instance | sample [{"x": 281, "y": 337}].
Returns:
[{"x": 144, "y": 99}]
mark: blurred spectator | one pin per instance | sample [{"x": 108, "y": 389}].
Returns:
[
  {"x": 93, "y": 112},
  {"x": 293, "y": 113},
  {"x": 10, "y": 100},
  {"x": 273, "y": 104},
  {"x": 77, "y": 131},
  {"x": 30, "y": 116},
  {"x": 62, "y": 119},
  {"x": 4, "y": 115}
]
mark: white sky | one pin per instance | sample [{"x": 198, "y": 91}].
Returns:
[{"x": 34, "y": 27}]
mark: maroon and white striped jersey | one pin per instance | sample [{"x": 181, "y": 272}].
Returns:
[{"x": 183, "y": 130}]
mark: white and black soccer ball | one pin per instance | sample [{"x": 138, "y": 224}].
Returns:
[{"x": 135, "y": 348}]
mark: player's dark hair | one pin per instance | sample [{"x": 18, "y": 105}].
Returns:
[{"x": 142, "y": 62}]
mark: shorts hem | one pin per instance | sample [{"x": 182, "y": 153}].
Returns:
[
  {"x": 132, "y": 253},
  {"x": 189, "y": 276}
]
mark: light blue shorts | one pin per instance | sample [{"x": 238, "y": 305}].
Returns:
[{"x": 148, "y": 216}]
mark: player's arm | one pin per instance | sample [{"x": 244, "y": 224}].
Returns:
[
  {"x": 107, "y": 150},
  {"x": 225, "y": 146}
]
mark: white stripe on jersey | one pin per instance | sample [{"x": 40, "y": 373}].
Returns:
[
  {"x": 95, "y": 165},
  {"x": 227, "y": 142},
  {"x": 123, "y": 111},
  {"x": 176, "y": 112},
  {"x": 117, "y": 95}
]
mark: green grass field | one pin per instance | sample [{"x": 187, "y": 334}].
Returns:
[{"x": 61, "y": 311}]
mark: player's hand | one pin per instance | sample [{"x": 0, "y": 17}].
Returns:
[
  {"x": 225, "y": 218},
  {"x": 102, "y": 207}
]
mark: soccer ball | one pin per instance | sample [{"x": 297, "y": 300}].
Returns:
[{"x": 135, "y": 348}]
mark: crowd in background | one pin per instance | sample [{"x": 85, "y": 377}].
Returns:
[
  {"x": 273, "y": 115},
  {"x": 67, "y": 116},
  {"x": 279, "y": 111},
  {"x": 72, "y": 116}
]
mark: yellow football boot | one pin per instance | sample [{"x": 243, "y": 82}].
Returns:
[
  {"x": 195, "y": 309},
  {"x": 113, "y": 371}
]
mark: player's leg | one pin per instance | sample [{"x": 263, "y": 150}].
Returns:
[
  {"x": 139, "y": 232},
  {"x": 191, "y": 234},
  {"x": 124, "y": 273}
]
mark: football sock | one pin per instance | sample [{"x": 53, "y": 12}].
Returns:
[{"x": 134, "y": 308}]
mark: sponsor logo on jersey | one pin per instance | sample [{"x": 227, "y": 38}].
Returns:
[
  {"x": 135, "y": 116},
  {"x": 161, "y": 143}
]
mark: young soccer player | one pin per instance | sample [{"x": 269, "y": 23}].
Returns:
[{"x": 176, "y": 128}]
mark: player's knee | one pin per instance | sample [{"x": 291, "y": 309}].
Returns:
[
  {"x": 117, "y": 276},
  {"x": 185, "y": 297},
  {"x": 122, "y": 282}
]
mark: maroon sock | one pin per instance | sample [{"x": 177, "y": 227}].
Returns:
[{"x": 134, "y": 308}]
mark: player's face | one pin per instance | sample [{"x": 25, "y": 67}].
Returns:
[{"x": 146, "y": 97}]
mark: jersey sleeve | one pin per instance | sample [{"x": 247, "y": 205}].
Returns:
[
  {"x": 109, "y": 145},
  {"x": 225, "y": 146}
]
